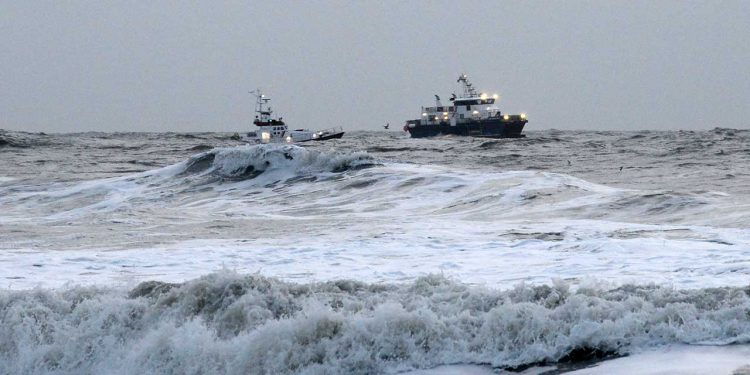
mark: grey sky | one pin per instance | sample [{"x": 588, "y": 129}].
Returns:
[{"x": 183, "y": 66}]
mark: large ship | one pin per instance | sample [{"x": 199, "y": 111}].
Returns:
[
  {"x": 275, "y": 130},
  {"x": 472, "y": 114}
]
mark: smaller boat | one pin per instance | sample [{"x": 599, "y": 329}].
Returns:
[
  {"x": 275, "y": 130},
  {"x": 306, "y": 135},
  {"x": 326, "y": 134}
]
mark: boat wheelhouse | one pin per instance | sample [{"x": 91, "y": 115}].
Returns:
[
  {"x": 472, "y": 114},
  {"x": 270, "y": 130}
]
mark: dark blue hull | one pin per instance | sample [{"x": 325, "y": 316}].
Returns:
[{"x": 491, "y": 128}]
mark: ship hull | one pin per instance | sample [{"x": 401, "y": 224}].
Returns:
[
  {"x": 494, "y": 128},
  {"x": 329, "y": 136}
]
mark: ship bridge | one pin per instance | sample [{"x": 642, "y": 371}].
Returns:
[{"x": 463, "y": 110}]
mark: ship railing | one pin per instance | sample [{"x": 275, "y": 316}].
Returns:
[{"x": 509, "y": 117}]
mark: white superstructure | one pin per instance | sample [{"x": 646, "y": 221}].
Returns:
[
  {"x": 468, "y": 107},
  {"x": 269, "y": 129}
]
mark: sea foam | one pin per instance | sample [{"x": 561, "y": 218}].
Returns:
[{"x": 239, "y": 324}]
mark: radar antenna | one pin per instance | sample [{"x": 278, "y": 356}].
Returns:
[
  {"x": 469, "y": 91},
  {"x": 263, "y": 116}
]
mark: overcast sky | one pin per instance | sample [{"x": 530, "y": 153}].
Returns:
[{"x": 184, "y": 66}]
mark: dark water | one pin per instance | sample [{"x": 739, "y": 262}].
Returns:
[
  {"x": 193, "y": 253},
  {"x": 681, "y": 160}
]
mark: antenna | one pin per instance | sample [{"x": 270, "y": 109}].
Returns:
[
  {"x": 260, "y": 100},
  {"x": 469, "y": 91}
]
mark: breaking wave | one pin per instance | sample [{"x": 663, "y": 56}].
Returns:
[
  {"x": 256, "y": 166},
  {"x": 252, "y": 160},
  {"x": 22, "y": 139},
  {"x": 229, "y": 174},
  {"x": 235, "y": 324}
]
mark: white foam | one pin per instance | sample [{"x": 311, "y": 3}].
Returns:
[
  {"x": 301, "y": 219},
  {"x": 235, "y": 324},
  {"x": 396, "y": 252},
  {"x": 678, "y": 360},
  {"x": 668, "y": 360}
]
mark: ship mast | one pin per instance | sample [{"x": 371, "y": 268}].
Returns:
[
  {"x": 469, "y": 91},
  {"x": 260, "y": 100}
]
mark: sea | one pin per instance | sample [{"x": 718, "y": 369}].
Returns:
[{"x": 580, "y": 252}]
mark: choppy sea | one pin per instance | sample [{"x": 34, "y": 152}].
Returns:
[{"x": 565, "y": 251}]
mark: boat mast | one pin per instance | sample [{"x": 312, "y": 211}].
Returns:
[
  {"x": 260, "y": 100},
  {"x": 469, "y": 91}
]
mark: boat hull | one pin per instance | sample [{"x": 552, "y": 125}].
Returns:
[
  {"x": 329, "y": 136},
  {"x": 493, "y": 128}
]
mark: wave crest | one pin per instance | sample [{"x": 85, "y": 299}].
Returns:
[
  {"x": 229, "y": 323},
  {"x": 16, "y": 139},
  {"x": 252, "y": 160}
]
